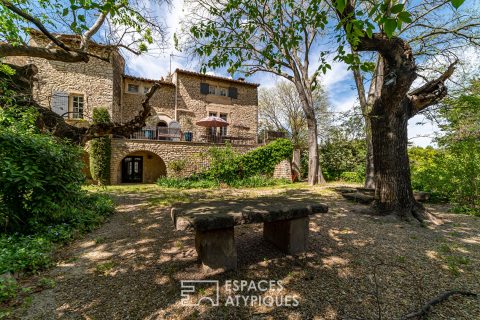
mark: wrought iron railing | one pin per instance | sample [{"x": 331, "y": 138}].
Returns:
[{"x": 202, "y": 136}]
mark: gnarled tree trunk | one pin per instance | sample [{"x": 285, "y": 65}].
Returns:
[{"x": 393, "y": 192}]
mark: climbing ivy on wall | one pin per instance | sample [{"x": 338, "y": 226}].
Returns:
[
  {"x": 100, "y": 150},
  {"x": 227, "y": 165}
]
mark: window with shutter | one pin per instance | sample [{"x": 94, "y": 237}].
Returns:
[
  {"x": 203, "y": 88},
  {"x": 59, "y": 103},
  {"x": 77, "y": 107},
  {"x": 233, "y": 92}
]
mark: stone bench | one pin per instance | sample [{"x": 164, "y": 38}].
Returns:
[{"x": 285, "y": 224}]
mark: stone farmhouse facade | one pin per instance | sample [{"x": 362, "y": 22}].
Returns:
[{"x": 73, "y": 90}]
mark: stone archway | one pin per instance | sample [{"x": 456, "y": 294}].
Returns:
[{"x": 140, "y": 167}]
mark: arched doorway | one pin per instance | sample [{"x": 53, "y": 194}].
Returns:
[{"x": 141, "y": 167}]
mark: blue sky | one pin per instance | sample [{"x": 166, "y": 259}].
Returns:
[{"x": 338, "y": 82}]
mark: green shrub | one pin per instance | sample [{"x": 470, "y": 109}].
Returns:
[
  {"x": 262, "y": 160},
  {"x": 100, "y": 150},
  {"x": 100, "y": 116},
  {"x": 226, "y": 165},
  {"x": 177, "y": 166},
  {"x": 8, "y": 288},
  {"x": 24, "y": 253},
  {"x": 32, "y": 252},
  {"x": 350, "y": 176},
  {"x": 451, "y": 174},
  {"x": 343, "y": 159},
  {"x": 40, "y": 176}
]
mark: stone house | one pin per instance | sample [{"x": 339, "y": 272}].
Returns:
[{"x": 73, "y": 90}]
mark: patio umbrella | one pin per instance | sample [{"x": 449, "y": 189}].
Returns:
[{"x": 212, "y": 122}]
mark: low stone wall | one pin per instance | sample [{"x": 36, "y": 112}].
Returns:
[
  {"x": 168, "y": 151},
  {"x": 283, "y": 170}
]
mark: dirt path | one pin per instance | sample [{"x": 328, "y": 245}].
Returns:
[{"x": 131, "y": 267}]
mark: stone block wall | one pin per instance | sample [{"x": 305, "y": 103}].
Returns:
[
  {"x": 161, "y": 153},
  {"x": 242, "y": 113},
  {"x": 162, "y": 102},
  {"x": 193, "y": 153},
  {"x": 283, "y": 170},
  {"x": 95, "y": 80}
]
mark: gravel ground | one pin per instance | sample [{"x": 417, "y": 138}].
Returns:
[{"x": 358, "y": 266}]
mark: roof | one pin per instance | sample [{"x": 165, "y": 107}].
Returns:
[
  {"x": 216, "y": 77},
  {"x": 148, "y": 80},
  {"x": 71, "y": 38}
]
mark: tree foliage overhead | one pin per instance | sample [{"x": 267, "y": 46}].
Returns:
[{"x": 129, "y": 24}]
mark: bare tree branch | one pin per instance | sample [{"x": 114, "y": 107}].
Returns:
[
  {"x": 36, "y": 22},
  {"x": 431, "y": 92}
]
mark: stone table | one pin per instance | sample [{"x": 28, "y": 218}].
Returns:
[{"x": 285, "y": 224}]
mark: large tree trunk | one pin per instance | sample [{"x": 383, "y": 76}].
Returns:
[
  {"x": 314, "y": 170},
  {"x": 393, "y": 192},
  {"x": 366, "y": 104},
  {"x": 313, "y": 163},
  {"x": 392, "y": 108}
]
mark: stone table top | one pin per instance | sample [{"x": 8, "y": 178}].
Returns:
[{"x": 229, "y": 213}]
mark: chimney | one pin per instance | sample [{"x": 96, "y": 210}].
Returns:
[{"x": 241, "y": 79}]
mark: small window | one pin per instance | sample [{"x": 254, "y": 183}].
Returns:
[
  {"x": 77, "y": 107},
  {"x": 145, "y": 89},
  {"x": 233, "y": 92},
  {"x": 211, "y": 90},
  {"x": 132, "y": 88},
  {"x": 204, "y": 88},
  {"x": 222, "y": 92}
]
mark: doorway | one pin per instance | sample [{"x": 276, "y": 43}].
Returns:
[{"x": 132, "y": 169}]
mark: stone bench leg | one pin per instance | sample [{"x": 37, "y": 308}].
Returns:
[
  {"x": 290, "y": 236},
  {"x": 216, "y": 249}
]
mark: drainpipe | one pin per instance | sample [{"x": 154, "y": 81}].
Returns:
[{"x": 176, "y": 96}]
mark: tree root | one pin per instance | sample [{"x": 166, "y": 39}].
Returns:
[
  {"x": 422, "y": 215},
  {"x": 425, "y": 309}
]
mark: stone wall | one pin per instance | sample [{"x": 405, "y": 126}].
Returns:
[
  {"x": 242, "y": 113},
  {"x": 95, "y": 80},
  {"x": 167, "y": 151},
  {"x": 163, "y": 101},
  {"x": 193, "y": 153},
  {"x": 283, "y": 170}
]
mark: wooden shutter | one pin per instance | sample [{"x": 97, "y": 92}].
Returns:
[
  {"x": 59, "y": 103},
  {"x": 233, "y": 92},
  {"x": 203, "y": 88}
]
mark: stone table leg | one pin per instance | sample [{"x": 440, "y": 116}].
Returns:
[
  {"x": 216, "y": 248},
  {"x": 290, "y": 236}
]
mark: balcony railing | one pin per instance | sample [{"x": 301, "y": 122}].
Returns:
[
  {"x": 157, "y": 133},
  {"x": 202, "y": 136}
]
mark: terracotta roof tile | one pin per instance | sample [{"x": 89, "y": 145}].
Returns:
[
  {"x": 148, "y": 80},
  {"x": 216, "y": 77}
]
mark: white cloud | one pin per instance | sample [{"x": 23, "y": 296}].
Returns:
[{"x": 336, "y": 75}]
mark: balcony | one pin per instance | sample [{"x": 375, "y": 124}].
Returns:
[{"x": 197, "y": 136}]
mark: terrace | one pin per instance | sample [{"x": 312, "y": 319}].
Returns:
[{"x": 202, "y": 135}]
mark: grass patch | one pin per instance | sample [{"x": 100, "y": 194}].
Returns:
[
  {"x": 30, "y": 253},
  {"x": 196, "y": 182},
  {"x": 105, "y": 267}
]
